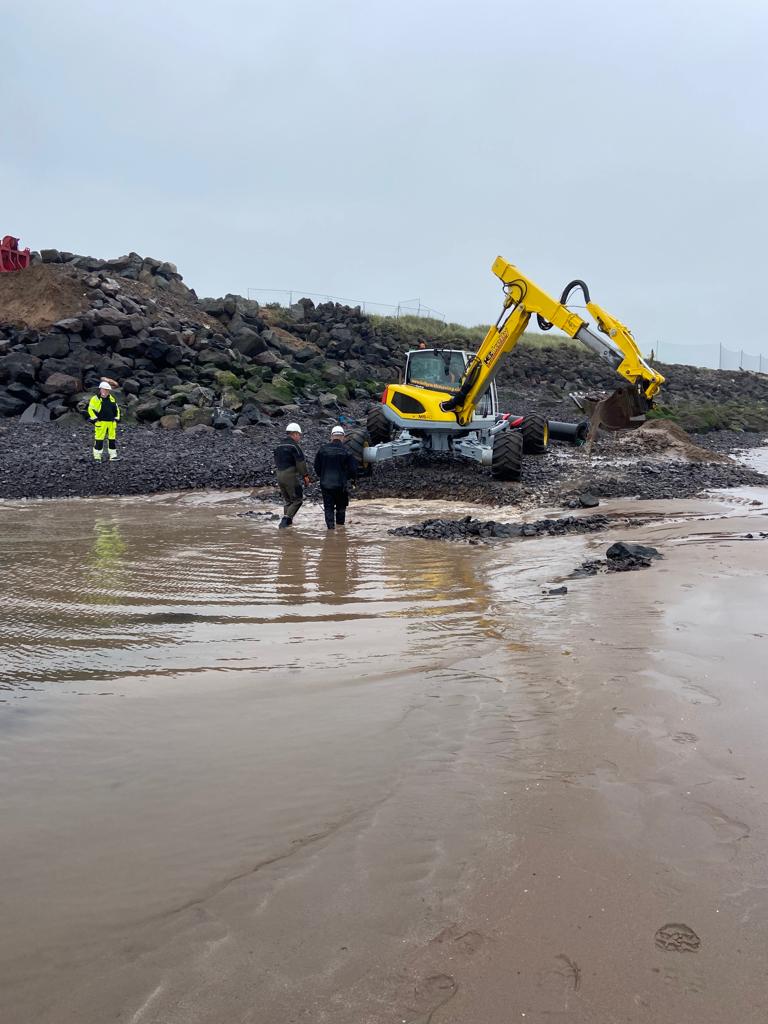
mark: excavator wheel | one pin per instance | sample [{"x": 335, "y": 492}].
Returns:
[
  {"x": 379, "y": 427},
  {"x": 507, "y": 461},
  {"x": 535, "y": 431},
  {"x": 356, "y": 442}
]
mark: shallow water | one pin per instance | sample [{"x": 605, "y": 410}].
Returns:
[{"x": 252, "y": 775}]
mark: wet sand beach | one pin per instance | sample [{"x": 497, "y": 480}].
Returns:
[{"x": 252, "y": 776}]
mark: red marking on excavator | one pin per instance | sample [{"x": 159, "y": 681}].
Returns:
[{"x": 11, "y": 256}]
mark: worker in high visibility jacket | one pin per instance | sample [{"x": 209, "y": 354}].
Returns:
[{"x": 104, "y": 413}]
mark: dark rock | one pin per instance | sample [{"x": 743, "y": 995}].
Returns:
[
  {"x": 108, "y": 332},
  {"x": 222, "y": 419},
  {"x": 216, "y": 357},
  {"x": 148, "y": 411},
  {"x": 249, "y": 343},
  {"x": 170, "y": 422},
  {"x": 50, "y": 256},
  {"x": 55, "y": 345},
  {"x": 623, "y": 550},
  {"x": 19, "y": 367},
  {"x": 588, "y": 500},
  {"x": 36, "y": 413},
  {"x": 72, "y": 325},
  {"x": 557, "y": 591},
  {"x": 10, "y": 406}
]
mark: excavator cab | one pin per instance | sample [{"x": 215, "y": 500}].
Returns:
[{"x": 442, "y": 369}]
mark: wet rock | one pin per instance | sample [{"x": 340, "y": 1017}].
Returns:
[
  {"x": 557, "y": 591},
  {"x": 588, "y": 500},
  {"x": 621, "y": 551},
  {"x": 620, "y": 557},
  {"x": 466, "y": 528}
]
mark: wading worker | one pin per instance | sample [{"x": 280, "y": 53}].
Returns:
[
  {"x": 104, "y": 413},
  {"x": 291, "y": 469},
  {"x": 335, "y": 467}
]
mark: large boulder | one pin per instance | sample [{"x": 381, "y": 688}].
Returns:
[
  {"x": 216, "y": 357},
  {"x": 149, "y": 410},
  {"x": 10, "y": 405},
  {"x": 36, "y": 413},
  {"x": 249, "y": 343},
  {"x": 193, "y": 417},
  {"x": 19, "y": 367},
  {"x": 274, "y": 394},
  {"x": 54, "y": 345},
  {"x": 61, "y": 384}
]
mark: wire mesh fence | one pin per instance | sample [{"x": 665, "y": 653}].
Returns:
[
  {"x": 716, "y": 356},
  {"x": 288, "y": 296}
]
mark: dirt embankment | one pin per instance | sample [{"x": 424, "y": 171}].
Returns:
[{"x": 40, "y": 296}]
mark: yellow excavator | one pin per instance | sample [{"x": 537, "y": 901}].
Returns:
[{"x": 448, "y": 402}]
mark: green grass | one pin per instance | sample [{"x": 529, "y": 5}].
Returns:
[{"x": 410, "y": 330}]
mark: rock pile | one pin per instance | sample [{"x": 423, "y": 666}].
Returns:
[
  {"x": 477, "y": 529},
  {"x": 620, "y": 557},
  {"x": 132, "y": 267},
  {"x": 180, "y": 362}
]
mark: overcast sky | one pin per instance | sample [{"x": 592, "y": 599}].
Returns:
[{"x": 387, "y": 150}]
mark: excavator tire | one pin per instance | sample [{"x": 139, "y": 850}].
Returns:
[
  {"x": 507, "y": 461},
  {"x": 379, "y": 427},
  {"x": 356, "y": 442},
  {"x": 535, "y": 431}
]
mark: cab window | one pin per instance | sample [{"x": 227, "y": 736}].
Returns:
[{"x": 436, "y": 369}]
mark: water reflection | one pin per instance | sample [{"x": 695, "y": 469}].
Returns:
[{"x": 337, "y": 568}]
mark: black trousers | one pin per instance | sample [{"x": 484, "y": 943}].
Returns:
[{"x": 335, "y": 501}]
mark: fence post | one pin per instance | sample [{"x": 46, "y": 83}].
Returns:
[
  {"x": 741, "y": 359},
  {"x": 720, "y": 357}
]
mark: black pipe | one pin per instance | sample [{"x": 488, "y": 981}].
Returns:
[{"x": 572, "y": 433}]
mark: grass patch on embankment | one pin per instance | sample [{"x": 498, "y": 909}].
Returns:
[
  {"x": 702, "y": 417},
  {"x": 410, "y": 330}
]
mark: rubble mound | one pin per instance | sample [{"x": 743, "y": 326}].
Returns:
[
  {"x": 666, "y": 438},
  {"x": 41, "y": 295},
  {"x": 472, "y": 529}
]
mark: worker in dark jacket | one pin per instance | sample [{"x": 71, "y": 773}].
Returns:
[
  {"x": 104, "y": 413},
  {"x": 335, "y": 467},
  {"x": 291, "y": 469}
]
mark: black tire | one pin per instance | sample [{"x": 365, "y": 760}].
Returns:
[
  {"x": 379, "y": 427},
  {"x": 535, "y": 431},
  {"x": 507, "y": 461},
  {"x": 356, "y": 442}
]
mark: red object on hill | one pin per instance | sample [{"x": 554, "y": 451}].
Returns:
[{"x": 11, "y": 256}]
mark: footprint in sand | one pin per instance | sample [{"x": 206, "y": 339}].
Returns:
[
  {"x": 677, "y": 938},
  {"x": 685, "y": 737},
  {"x": 467, "y": 940},
  {"x": 698, "y": 695},
  {"x": 431, "y": 993}
]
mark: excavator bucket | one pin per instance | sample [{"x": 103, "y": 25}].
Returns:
[
  {"x": 11, "y": 256},
  {"x": 624, "y": 409}
]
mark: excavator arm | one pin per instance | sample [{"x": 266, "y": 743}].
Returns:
[{"x": 612, "y": 341}]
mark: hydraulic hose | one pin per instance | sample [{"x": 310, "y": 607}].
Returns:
[{"x": 545, "y": 325}]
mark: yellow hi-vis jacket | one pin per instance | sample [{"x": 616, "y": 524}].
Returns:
[{"x": 103, "y": 409}]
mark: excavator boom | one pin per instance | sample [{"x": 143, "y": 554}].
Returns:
[{"x": 613, "y": 342}]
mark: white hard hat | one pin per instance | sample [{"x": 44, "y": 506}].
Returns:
[
  {"x": 293, "y": 428},
  {"x": 105, "y": 385},
  {"x": 337, "y": 432}
]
